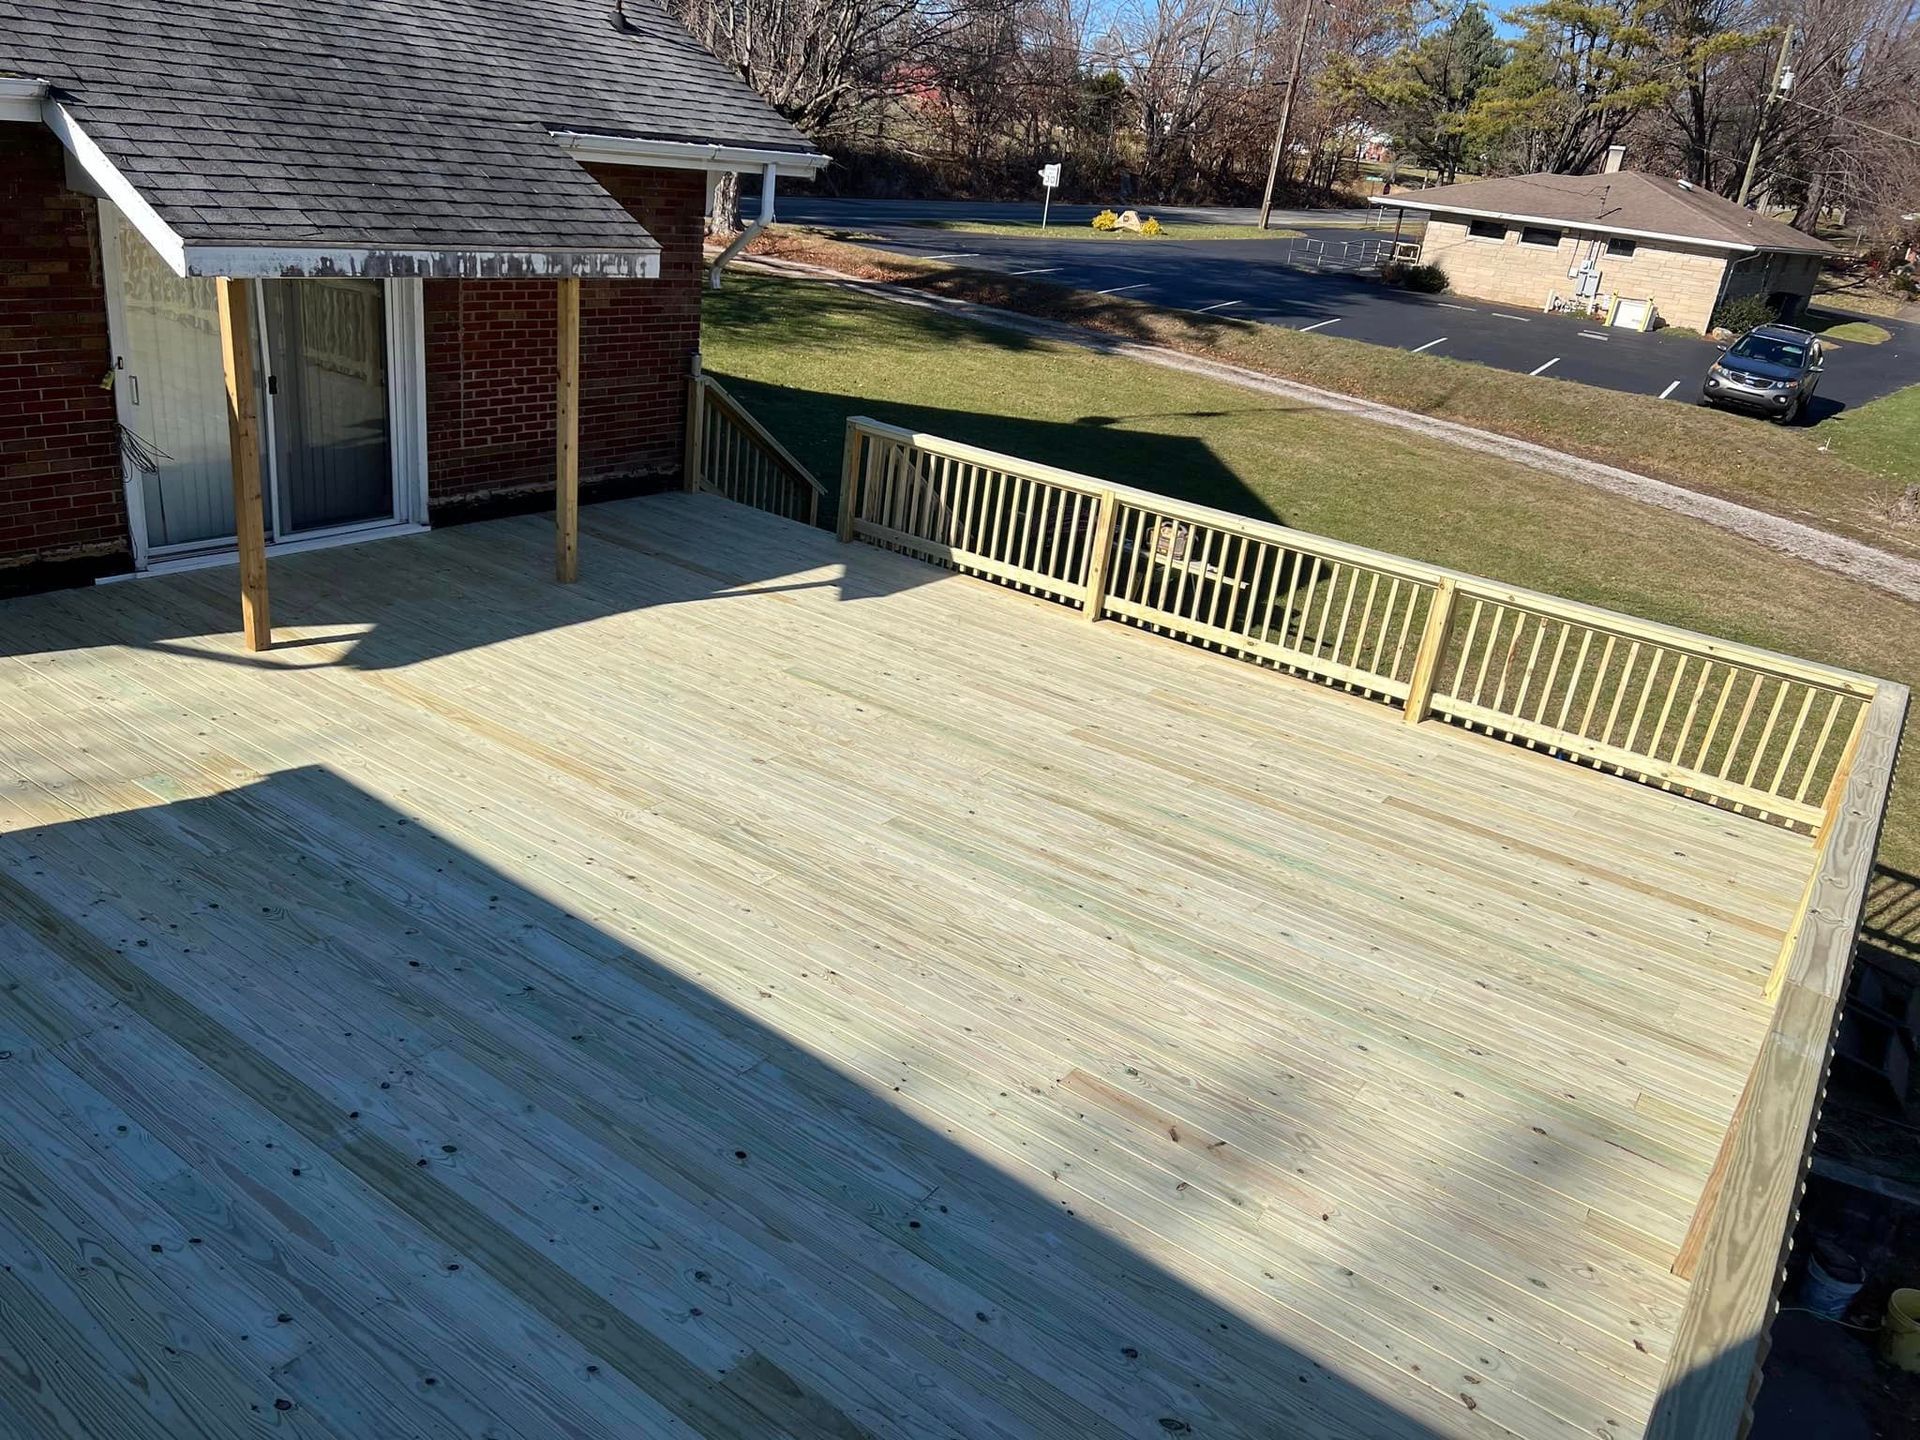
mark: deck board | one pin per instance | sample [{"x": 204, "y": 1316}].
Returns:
[{"x": 857, "y": 999}]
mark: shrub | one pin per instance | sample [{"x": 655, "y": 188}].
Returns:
[
  {"x": 1421, "y": 279},
  {"x": 1106, "y": 220},
  {"x": 1744, "y": 313},
  {"x": 1151, "y": 226}
]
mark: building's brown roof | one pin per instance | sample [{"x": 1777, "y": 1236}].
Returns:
[{"x": 1625, "y": 201}]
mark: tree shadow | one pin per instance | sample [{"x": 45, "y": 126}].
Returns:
[{"x": 395, "y": 1137}]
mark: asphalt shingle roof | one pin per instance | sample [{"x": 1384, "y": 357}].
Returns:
[
  {"x": 406, "y": 124},
  {"x": 1623, "y": 200}
]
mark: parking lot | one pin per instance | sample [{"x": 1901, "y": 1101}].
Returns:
[{"x": 1306, "y": 288}]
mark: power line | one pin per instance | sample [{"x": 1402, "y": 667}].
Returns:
[{"x": 1849, "y": 120}]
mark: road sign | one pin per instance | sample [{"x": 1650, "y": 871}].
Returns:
[{"x": 1049, "y": 177}]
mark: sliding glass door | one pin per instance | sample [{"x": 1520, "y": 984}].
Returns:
[
  {"x": 326, "y": 347},
  {"x": 327, "y": 427}
]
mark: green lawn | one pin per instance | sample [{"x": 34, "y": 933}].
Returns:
[
  {"x": 1175, "y": 230},
  {"x": 803, "y": 357},
  {"x": 1783, "y": 470},
  {"x": 1883, "y": 435}
]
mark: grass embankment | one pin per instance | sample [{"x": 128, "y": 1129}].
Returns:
[
  {"x": 1780, "y": 470},
  {"x": 1838, "y": 327},
  {"x": 804, "y": 357},
  {"x": 1065, "y": 230}
]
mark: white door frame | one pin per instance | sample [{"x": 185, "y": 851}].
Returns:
[{"x": 405, "y": 308}]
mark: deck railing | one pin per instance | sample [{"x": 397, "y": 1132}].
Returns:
[
  {"x": 1732, "y": 725},
  {"x": 732, "y": 454}
]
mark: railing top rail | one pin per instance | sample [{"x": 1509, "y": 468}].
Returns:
[
  {"x": 1475, "y": 587},
  {"x": 744, "y": 417}
]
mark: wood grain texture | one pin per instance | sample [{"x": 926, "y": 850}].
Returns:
[
  {"x": 776, "y": 987},
  {"x": 1749, "y": 1210},
  {"x": 234, "y": 306},
  {"x": 566, "y": 431}
]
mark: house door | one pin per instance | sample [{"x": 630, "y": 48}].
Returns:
[
  {"x": 322, "y": 366},
  {"x": 326, "y": 411}
]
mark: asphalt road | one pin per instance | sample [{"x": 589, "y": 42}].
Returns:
[{"x": 1273, "y": 282}]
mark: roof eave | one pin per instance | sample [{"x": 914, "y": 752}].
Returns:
[
  {"x": 591, "y": 148},
  {"x": 21, "y": 99},
  {"x": 432, "y": 262},
  {"x": 1562, "y": 223}
]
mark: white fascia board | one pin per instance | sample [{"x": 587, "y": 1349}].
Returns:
[
  {"x": 20, "y": 99},
  {"x": 275, "y": 262},
  {"x": 591, "y": 149},
  {"x": 166, "y": 243},
  {"x": 1394, "y": 202}
]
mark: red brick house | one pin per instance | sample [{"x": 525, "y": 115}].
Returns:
[{"x": 391, "y": 219}]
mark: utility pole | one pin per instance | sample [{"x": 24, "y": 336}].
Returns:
[
  {"x": 1286, "y": 115},
  {"x": 1766, "y": 114}
]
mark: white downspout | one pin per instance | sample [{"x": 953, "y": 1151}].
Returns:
[{"x": 745, "y": 237}]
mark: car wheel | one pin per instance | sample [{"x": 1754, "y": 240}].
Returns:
[{"x": 1792, "y": 413}]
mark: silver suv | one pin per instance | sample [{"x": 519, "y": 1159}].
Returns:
[{"x": 1770, "y": 371}]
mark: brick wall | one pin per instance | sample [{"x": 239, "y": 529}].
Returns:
[
  {"x": 490, "y": 361},
  {"x": 61, "y": 499},
  {"x": 1682, "y": 280}
]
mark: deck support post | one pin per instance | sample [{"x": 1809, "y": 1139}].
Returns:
[
  {"x": 1433, "y": 644},
  {"x": 567, "y": 435},
  {"x": 696, "y": 428},
  {"x": 849, "y": 480},
  {"x": 234, "y": 301},
  {"x": 1100, "y": 554}
]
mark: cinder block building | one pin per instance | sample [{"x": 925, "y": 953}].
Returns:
[{"x": 1532, "y": 239}]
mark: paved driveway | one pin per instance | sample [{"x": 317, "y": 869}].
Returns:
[{"x": 1263, "y": 280}]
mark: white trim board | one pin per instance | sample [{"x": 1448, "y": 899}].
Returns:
[
  {"x": 594, "y": 149},
  {"x": 282, "y": 262},
  {"x": 165, "y": 241},
  {"x": 20, "y": 100}
]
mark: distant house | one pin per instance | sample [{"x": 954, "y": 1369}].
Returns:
[
  {"x": 398, "y": 195},
  {"x": 1526, "y": 239}
]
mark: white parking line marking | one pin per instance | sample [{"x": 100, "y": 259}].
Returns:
[
  {"x": 954, "y": 255},
  {"x": 1428, "y": 346},
  {"x": 1546, "y": 367},
  {"x": 1449, "y": 305},
  {"x": 1221, "y": 306},
  {"x": 1502, "y": 315},
  {"x": 1137, "y": 285},
  {"x": 1318, "y": 323},
  {"x": 1041, "y": 270},
  {"x": 1670, "y": 389},
  {"x": 1593, "y": 334}
]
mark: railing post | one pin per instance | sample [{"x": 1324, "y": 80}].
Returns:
[
  {"x": 849, "y": 479},
  {"x": 1099, "y": 556},
  {"x": 1433, "y": 644},
  {"x": 696, "y": 426}
]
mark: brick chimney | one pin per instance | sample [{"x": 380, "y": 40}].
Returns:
[{"x": 1615, "y": 154}]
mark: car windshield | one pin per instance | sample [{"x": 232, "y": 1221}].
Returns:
[{"x": 1769, "y": 351}]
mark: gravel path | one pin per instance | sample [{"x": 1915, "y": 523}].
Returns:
[{"x": 1892, "y": 573}]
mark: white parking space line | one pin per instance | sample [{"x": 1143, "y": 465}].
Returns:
[
  {"x": 1220, "y": 306},
  {"x": 1318, "y": 323},
  {"x": 1137, "y": 285},
  {"x": 1593, "y": 335},
  {"x": 1428, "y": 346},
  {"x": 1449, "y": 305},
  {"x": 954, "y": 255},
  {"x": 1038, "y": 270},
  {"x": 1502, "y": 315},
  {"x": 1670, "y": 389},
  {"x": 1546, "y": 367}
]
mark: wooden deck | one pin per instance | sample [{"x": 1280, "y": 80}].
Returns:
[{"x": 775, "y": 987}]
